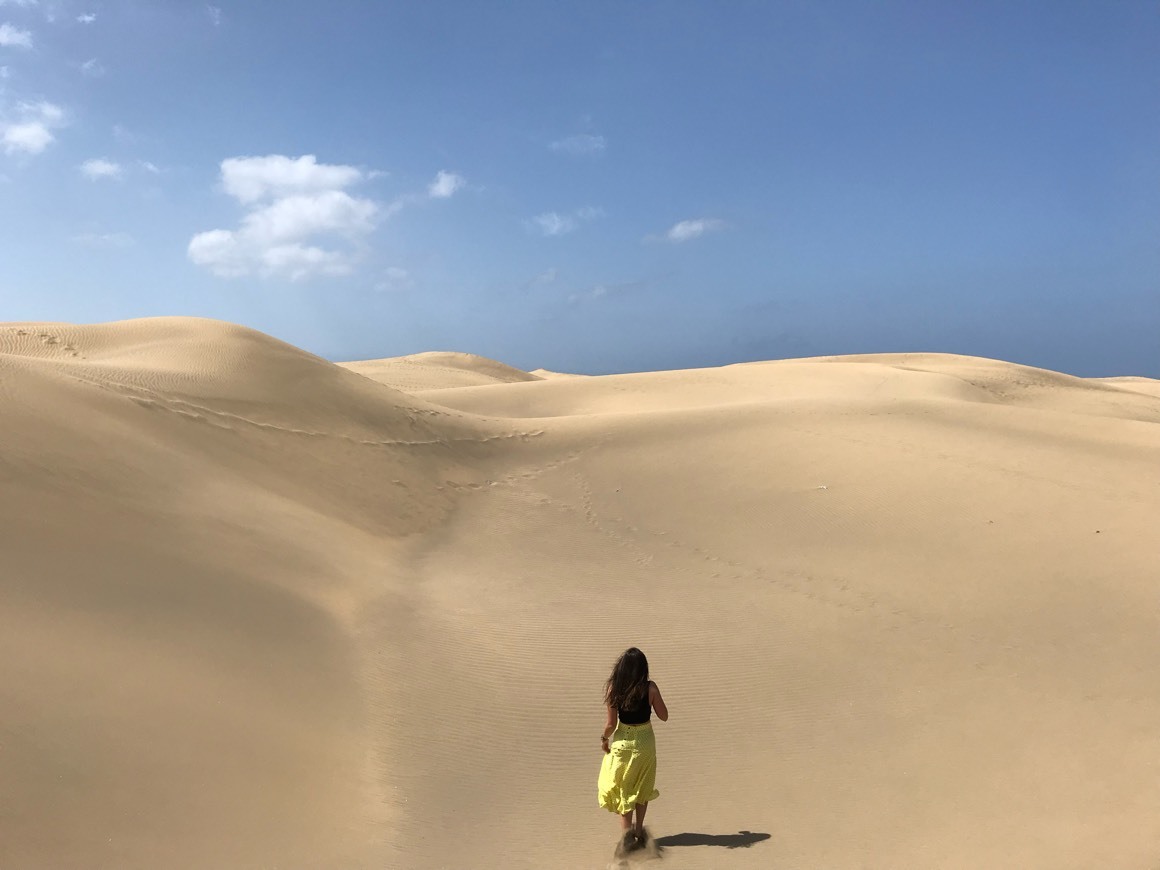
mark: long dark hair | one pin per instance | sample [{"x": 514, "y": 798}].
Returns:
[{"x": 628, "y": 684}]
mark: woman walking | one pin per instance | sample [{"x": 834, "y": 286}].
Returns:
[{"x": 629, "y": 769}]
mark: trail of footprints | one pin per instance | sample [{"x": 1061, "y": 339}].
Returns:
[
  {"x": 154, "y": 400},
  {"x": 48, "y": 339}
]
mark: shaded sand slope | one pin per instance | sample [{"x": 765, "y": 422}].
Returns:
[
  {"x": 259, "y": 611},
  {"x": 437, "y": 370},
  {"x": 194, "y": 518}
]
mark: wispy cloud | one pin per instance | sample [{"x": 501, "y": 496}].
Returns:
[
  {"x": 685, "y": 231},
  {"x": 584, "y": 143},
  {"x": 92, "y": 68},
  {"x": 98, "y": 168},
  {"x": 87, "y": 18},
  {"x": 22, "y": 3},
  {"x": 105, "y": 240},
  {"x": 151, "y": 168},
  {"x": 445, "y": 185},
  {"x": 32, "y": 133},
  {"x": 607, "y": 290},
  {"x": 292, "y": 204},
  {"x": 14, "y": 37},
  {"x": 215, "y": 15},
  {"x": 394, "y": 279},
  {"x": 553, "y": 223}
]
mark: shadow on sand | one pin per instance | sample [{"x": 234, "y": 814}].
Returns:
[{"x": 742, "y": 839}]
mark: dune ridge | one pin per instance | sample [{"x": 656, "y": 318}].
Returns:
[
  {"x": 264, "y": 610},
  {"x": 438, "y": 370}
]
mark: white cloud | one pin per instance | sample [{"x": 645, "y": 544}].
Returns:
[
  {"x": 290, "y": 202},
  {"x": 4, "y": 72},
  {"x": 584, "y": 143},
  {"x": 294, "y": 217},
  {"x": 298, "y": 261},
  {"x": 552, "y": 223},
  {"x": 14, "y": 37},
  {"x": 87, "y": 18},
  {"x": 220, "y": 252},
  {"x": 92, "y": 67},
  {"x": 24, "y": 3},
  {"x": 33, "y": 132},
  {"x": 445, "y": 184},
  {"x": 692, "y": 229},
  {"x": 152, "y": 168},
  {"x": 98, "y": 168},
  {"x": 31, "y": 137},
  {"x": 215, "y": 15},
  {"x": 251, "y": 179},
  {"x": 105, "y": 240}
]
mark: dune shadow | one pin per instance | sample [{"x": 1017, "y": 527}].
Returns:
[{"x": 742, "y": 839}]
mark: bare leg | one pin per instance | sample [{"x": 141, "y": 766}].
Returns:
[
  {"x": 626, "y": 821},
  {"x": 641, "y": 809}
]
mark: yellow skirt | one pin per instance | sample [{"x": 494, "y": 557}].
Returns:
[{"x": 628, "y": 772}]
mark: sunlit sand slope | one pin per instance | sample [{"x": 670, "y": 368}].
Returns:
[
  {"x": 903, "y": 610},
  {"x": 258, "y": 610}
]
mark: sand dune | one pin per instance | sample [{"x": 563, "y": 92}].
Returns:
[
  {"x": 437, "y": 370},
  {"x": 1147, "y": 386},
  {"x": 262, "y": 611}
]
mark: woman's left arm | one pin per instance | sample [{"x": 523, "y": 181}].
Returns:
[{"x": 609, "y": 727}]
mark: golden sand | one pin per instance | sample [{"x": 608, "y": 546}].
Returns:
[{"x": 261, "y": 610}]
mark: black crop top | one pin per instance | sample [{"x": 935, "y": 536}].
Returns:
[{"x": 637, "y": 715}]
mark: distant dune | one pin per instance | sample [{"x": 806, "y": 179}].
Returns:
[
  {"x": 1148, "y": 386},
  {"x": 438, "y": 370},
  {"x": 262, "y": 610}
]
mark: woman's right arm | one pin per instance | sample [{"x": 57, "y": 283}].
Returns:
[
  {"x": 658, "y": 703},
  {"x": 609, "y": 727}
]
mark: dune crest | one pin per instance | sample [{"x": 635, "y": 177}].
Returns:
[{"x": 260, "y": 610}]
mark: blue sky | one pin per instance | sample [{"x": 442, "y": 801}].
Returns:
[{"x": 593, "y": 186}]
